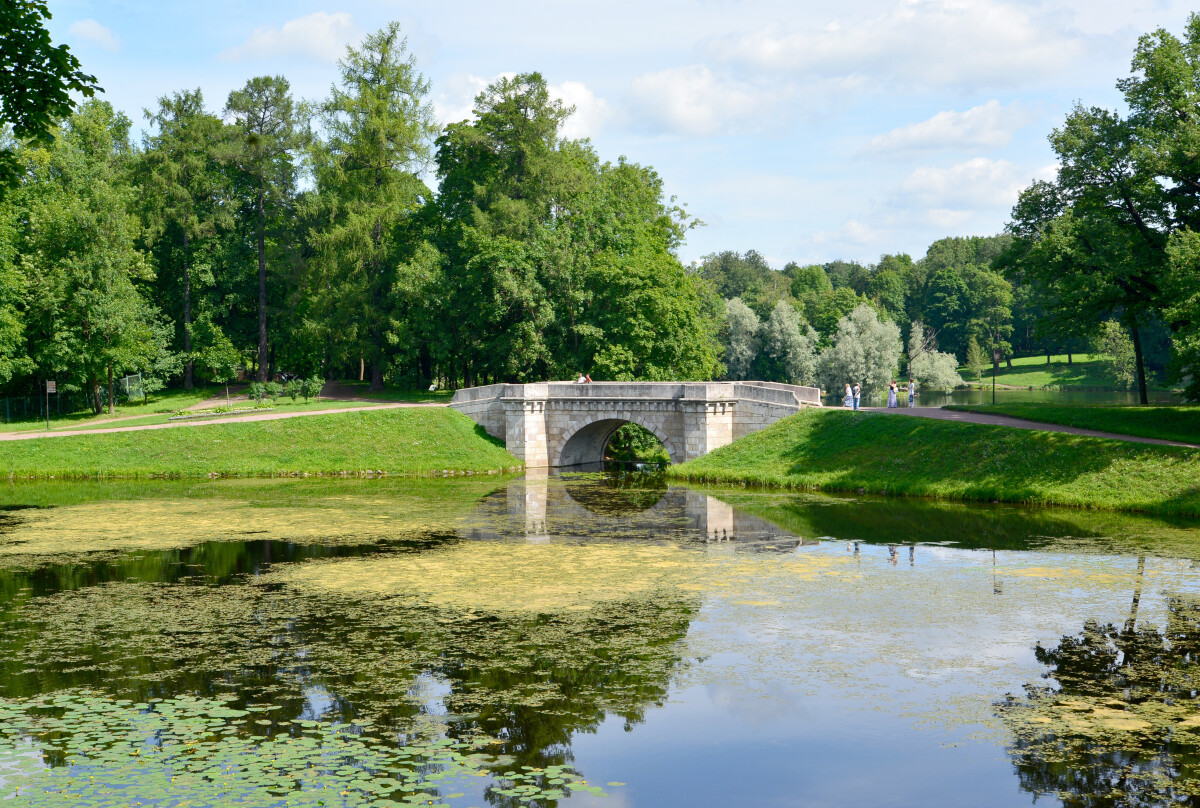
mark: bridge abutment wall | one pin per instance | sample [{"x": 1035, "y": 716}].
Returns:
[{"x": 554, "y": 424}]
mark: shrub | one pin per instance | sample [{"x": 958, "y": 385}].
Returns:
[
  {"x": 312, "y": 388},
  {"x": 294, "y": 389},
  {"x": 257, "y": 391},
  {"x": 274, "y": 390}
]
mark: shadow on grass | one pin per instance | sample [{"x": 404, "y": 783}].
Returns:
[{"x": 875, "y": 453}]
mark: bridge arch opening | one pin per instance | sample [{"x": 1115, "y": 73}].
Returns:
[{"x": 588, "y": 444}]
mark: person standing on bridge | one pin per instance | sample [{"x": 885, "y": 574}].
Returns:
[
  {"x": 849, "y": 400},
  {"x": 857, "y": 395}
]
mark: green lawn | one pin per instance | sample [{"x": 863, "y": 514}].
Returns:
[
  {"x": 1165, "y": 423},
  {"x": 1085, "y": 370},
  {"x": 163, "y": 403},
  {"x": 399, "y": 441},
  {"x": 845, "y": 451}
]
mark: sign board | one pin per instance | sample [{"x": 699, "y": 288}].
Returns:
[{"x": 51, "y": 387}]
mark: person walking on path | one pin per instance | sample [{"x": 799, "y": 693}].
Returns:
[
  {"x": 857, "y": 395},
  {"x": 849, "y": 400},
  {"x": 892, "y": 401},
  {"x": 912, "y": 392}
]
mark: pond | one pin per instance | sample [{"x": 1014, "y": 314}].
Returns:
[{"x": 587, "y": 640}]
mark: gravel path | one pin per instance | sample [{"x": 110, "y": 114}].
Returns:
[
  {"x": 232, "y": 419},
  {"x": 1016, "y": 423}
]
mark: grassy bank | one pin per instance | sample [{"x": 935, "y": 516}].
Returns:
[
  {"x": 1085, "y": 372},
  {"x": 834, "y": 450},
  {"x": 398, "y": 441},
  {"x": 1165, "y": 423}
]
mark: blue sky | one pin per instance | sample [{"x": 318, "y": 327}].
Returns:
[{"x": 806, "y": 131}]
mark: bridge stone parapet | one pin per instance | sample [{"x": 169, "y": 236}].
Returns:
[{"x": 555, "y": 424}]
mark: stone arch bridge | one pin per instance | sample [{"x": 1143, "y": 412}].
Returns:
[{"x": 556, "y": 424}]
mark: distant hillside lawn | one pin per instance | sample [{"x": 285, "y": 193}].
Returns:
[
  {"x": 413, "y": 441},
  {"x": 1180, "y": 424},
  {"x": 1085, "y": 371},
  {"x": 835, "y": 450}
]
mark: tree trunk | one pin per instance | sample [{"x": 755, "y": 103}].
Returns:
[
  {"x": 362, "y": 368},
  {"x": 1008, "y": 362},
  {"x": 262, "y": 289},
  {"x": 188, "y": 376},
  {"x": 1141, "y": 364},
  {"x": 1047, "y": 358},
  {"x": 377, "y": 375},
  {"x": 110, "y": 389},
  {"x": 1068, "y": 357}
]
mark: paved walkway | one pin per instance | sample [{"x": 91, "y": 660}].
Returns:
[
  {"x": 1017, "y": 423},
  {"x": 232, "y": 419}
]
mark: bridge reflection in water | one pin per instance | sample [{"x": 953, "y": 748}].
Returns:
[{"x": 543, "y": 506}]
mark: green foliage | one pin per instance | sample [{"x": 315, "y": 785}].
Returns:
[
  {"x": 312, "y": 387},
  {"x": 976, "y": 360},
  {"x": 379, "y": 129},
  {"x": 1117, "y": 348},
  {"x": 866, "y": 351},
  {"x": 294, "y": 389},
  {"x": 36, "y": 82},
  {"x": 633, "y": 443},
  {"x": 268, "y": 137},
  {"x": 788, "y": 351},
  {"x": 929, "y": 368},
  {"x": 836, "y": 450},
  {"x": 1099, "y": 238},
  {"x": 742, "y": 340}
]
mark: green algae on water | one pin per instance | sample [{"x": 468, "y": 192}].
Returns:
[{"x": 81, "y": 748}]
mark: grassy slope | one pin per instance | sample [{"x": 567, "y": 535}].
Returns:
[
  {"x": 845, "y": 451},
  {"x": 1166, "y": 423},
  {"x": 1086, "y": 371},
  {"x": 403, "y": 441}
]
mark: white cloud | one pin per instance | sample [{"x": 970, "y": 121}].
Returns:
[
  {"x": 97, "y": 34},
  {"x": 977, "y": 183},
  {"x": 989, "y": 125},
  {"x": 939, "y": 43},
  {"x": 591, "y": 112},
  {"x": 693, "y": 101},
  {"x": 852, "y": 232},
  {"x": 455, "y": 101},
  {"x": 318, "y": 36}
]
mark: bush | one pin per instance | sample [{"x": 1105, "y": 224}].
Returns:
[
  {"x": 257, "y": 391},
  {"x": 274, "y": 390},
  {"x": 312, "y": 388},
  {"x": 294, "y": 389}
]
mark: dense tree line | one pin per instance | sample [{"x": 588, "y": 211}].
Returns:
[
  {"x": 278, "y": 235},
  {"x": 274, "y": 235}
]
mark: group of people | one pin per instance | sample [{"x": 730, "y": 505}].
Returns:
[
  {"x": 854, "y": 394},
  {"x": 584, "y": 378}
]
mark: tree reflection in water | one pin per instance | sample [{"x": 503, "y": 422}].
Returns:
[{"x": 1123, "y": 727}]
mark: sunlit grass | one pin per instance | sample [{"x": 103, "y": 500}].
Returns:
[
  {"x": 397, "y": 441},
  {"x": 1180, "y": 423},
  {"x": 845, "y": 451}
]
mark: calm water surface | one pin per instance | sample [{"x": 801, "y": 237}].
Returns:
[{"x": 587, "y": 640}]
